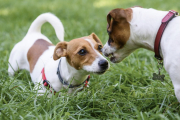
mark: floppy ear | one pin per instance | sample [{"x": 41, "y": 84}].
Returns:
[
  {"x": 95, "y": 37},
  {"x": 109, "y": 25},
  {"x": 60, "y": 50},
  {"x": 118, "y": 15}
]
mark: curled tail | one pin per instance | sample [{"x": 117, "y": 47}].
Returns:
[{"x": 53, "y": 20}]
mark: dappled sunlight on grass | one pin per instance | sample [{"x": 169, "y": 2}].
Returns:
[
  {"x": 104, "y": 3},
  {"x": 110, "y": 3},
  {"x": 4, "y": 12}
]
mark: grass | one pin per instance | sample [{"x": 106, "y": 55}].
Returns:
[{"x": 126, "y": 91}]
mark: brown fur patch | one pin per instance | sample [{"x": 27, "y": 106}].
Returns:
[
  {"x": 119, "y": 27},
  {"x": 36, "y": 51},
  {"x": 76, "y": 60},
  {"x": 72, "y": 48},
  {"x": 95, "y": 37}
]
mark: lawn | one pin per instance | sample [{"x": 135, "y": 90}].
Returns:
[{"x": 125, "y": 91}]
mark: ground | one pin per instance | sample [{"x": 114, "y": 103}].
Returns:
[{"x": 125, "y": 91}]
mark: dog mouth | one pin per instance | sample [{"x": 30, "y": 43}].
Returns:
[
  {"x": 111, "y": 57},
  {"x": 101, "y": 72}
]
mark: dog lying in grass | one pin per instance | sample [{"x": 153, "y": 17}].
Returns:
[
  {"x": 133, "y": 28},
  {"x": 67, "y": 64}
]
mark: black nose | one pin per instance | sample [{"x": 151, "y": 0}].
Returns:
[{"x": 103, "y": 64}]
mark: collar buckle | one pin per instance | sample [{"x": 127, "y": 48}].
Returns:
[
  {"x": 158, "y": 57},
  {"x": 174, "y": 12}
]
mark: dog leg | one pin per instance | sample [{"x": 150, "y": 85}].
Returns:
[
  {"x": 174, "y": 70},
  {"x": 177, "y": 93},
  {"x": 39, "y": 89},
  {"x": 12, "y": 69},
  {"x": 17, "y": 59},
  {"x": 176, "y": 84}
]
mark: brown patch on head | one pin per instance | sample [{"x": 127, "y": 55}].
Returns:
[
  {"x": 79, "y": 52},
  {"x": 36, "y": 51},
  {"x": 118, "y": 26},
  {"x": 96, "y": 42},
  {"x": 95, "y": 37}
]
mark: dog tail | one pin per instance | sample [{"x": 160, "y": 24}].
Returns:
[{"x": 53, "y": 20}]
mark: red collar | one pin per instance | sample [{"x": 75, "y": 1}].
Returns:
[
  {"x": 164, "y": 23},
  {"x": 46, "y": 83}
]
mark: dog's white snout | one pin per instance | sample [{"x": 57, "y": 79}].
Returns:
[
  {"x": 104, "y": 52},
  {"x": 108, "y": 50}
]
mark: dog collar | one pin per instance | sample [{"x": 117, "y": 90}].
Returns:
[
  {"x": 45, "y": 82},
  {"x": 164, "y": 23},
  {"x": 69, "y": 85}
]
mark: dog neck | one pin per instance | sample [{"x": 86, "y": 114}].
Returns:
[
  {"x": 144, "y": 27},
  {"x": 68, "y": 73}
]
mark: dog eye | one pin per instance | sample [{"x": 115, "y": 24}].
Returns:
[
  {"x": 108, "y": 32},
  {"x": 100, "y": 48},
  {"x": 82, "y": 52},
  {"x": 110, "y": 41}
]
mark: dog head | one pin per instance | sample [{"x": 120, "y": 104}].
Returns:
[
  {"x": 118, "y": 45},
  {"x": 83, "y": 54}
]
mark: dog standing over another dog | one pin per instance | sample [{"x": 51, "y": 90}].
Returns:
[
  {"x": 133, "y": 28},
  {"x": 72, "y": 60}
]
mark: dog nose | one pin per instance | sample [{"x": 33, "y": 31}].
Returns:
[{"x": 103, "y": 64}]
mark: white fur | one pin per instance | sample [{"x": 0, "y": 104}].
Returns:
[
  {"x": 53, "y": 20},
  {"x": 18, "y": 57},
  {"x": 143, "y": 29},
  {"x": 94, "y": 67}
]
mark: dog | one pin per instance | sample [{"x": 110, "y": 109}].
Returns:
[
  {"x": 65, "y": 65},
  {"x": 133, "y": 28}
]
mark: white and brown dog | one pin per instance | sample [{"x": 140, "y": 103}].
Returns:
[
  {"x": 65, "y": 65},
  {"x": 133, "y": 28}
]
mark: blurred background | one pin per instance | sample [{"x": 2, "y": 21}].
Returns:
[{"x": 79, "y": 17}]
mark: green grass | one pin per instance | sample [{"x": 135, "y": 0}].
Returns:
[{"x": 126, "y": 91}]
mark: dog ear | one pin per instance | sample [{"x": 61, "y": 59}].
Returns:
[
  {"x": 110, "y": 21},
  {"x": 118, "y": 15},
  {"x": 95, "y": 37},
  {"x": 60, "y": 50}
]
